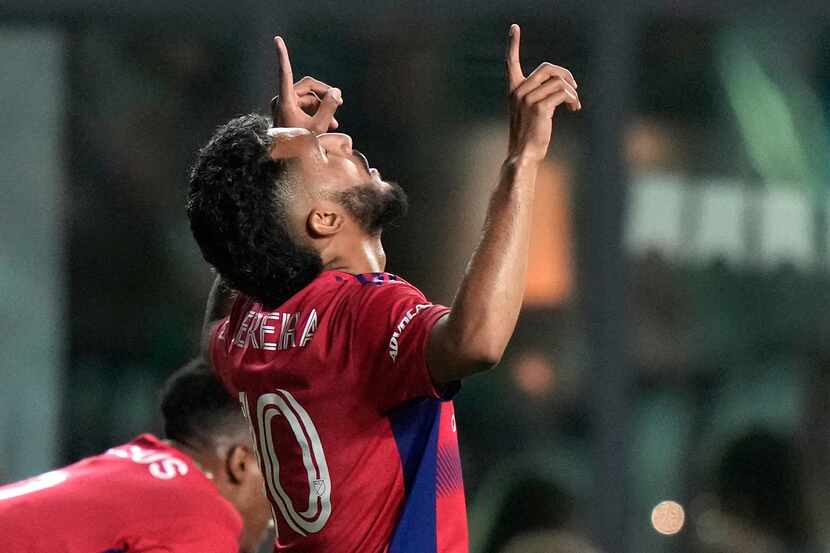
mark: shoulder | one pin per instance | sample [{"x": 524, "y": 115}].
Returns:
[
  {"x": 173, "y": 481},
  {"x": 154, "y": 462},
  {"x": 386, "y": 302},
  {"x": 351, "y": 295},
  {"x": 384, "y": 286}
]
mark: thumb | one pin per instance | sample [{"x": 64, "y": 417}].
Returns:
[{"x": 322, "y": 120}]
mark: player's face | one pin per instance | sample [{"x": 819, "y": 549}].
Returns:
[
  {"x": 326, "y": 163},
  {"x": 327, "y": 173}
]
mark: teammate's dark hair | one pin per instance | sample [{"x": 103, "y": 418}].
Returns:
[
  {"x": 197, "y": 408},
  {"x": 236, "y": 207}
]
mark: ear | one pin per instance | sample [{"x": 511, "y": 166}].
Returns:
[
  {"x": 325, "y": 220},
  {"x": 238, "y": 464}
]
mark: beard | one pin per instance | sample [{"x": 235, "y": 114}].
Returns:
[
  {"x": 294, "y": 266},
  {"x": 374, "y": 207}
]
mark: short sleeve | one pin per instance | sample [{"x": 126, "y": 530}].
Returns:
[{"x": 389, "y": 340}]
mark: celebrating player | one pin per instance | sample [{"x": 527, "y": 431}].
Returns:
[
  {"x": 345, "y": 372},
  {"x": 200, "y": 491}
]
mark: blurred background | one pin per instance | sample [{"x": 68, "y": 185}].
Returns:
[{"x": 668, "y": 387}]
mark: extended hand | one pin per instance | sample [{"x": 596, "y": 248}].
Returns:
[
  {"x": 533, "y": 101},
  {"x": 308, "y": 103}
]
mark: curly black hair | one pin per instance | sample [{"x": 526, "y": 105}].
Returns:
[
  {"x": 236, "y": 207},
  {"x": 197, "y": 408}
]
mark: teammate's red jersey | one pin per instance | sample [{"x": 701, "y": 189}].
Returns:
[
  {"x": 143, "y": 496},
  {"x": 357, "y": 447}
]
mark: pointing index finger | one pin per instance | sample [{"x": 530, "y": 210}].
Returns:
[
  {"x": 512, "y": 62},
  {"x": 286, "y": 78}
]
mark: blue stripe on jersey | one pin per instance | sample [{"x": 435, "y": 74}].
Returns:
[
  {"x": 377, "y": 279},
  {"x": 415, "y": 426}
]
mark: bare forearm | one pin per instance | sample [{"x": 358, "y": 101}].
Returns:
[
  {"x": 490, "y": 295},
  {"x": 475, "y": 334},
  {"x": 487, "y": 305}
]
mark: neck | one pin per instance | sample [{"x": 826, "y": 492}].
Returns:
[
  {"x": 365, "y": 255},
  {"x": 204, "y": 461}
]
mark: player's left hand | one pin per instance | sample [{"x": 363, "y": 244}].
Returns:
[
  {"x": 308, "y": 103},
  {"x": 533, "y": 101}
]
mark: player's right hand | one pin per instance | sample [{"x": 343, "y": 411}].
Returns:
[
  {"x": 533, "y": 101},
  {"x": 308, "y": 103}
]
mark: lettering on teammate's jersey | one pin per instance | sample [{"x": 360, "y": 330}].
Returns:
[
  {"x": 275, "y": 331},
  {"x": 162, "y": 465},
  {"x": 408, "y": 316}
]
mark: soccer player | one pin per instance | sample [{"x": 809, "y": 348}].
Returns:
[
  {"x": 199, "y": 491},
  {"x": 346, "y": 372}
]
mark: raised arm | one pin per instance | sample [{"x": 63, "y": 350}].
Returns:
[{"x": 473, "y": 337}]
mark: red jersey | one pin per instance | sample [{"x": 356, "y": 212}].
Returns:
[
  {"x": 357, "y": 447},
  {"x": 143, "y": 496}
]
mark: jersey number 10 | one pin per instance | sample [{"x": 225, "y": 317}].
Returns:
[{"x": 282, "y": 404}]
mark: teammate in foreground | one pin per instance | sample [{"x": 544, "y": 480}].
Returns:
[
  {"x": 345, "y": 372},
  {"x": 200, "y": 491}
]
